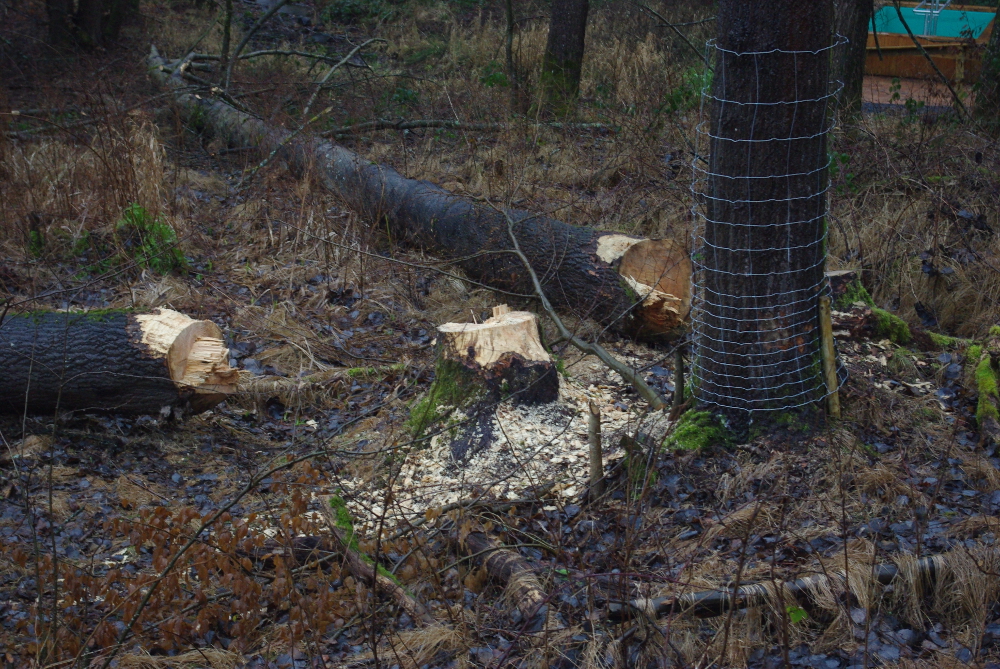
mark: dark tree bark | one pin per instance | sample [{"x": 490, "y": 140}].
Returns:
[
  {"x": 60, "y": 17},
  {"x": 89, "y": 22},
  {"x": 99, "y": 22},
  {"x": 110, "y": 361},
  {"x": 988, "y": 92},
  {"x": 600, "y": 275},
  {"x": 761, "y": 257},
  {"x": 563, "y": 59},
  {"x": 852, "y": 20}
]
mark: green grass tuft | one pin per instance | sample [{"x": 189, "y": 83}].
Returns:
[{"x": 149, "y": 241}]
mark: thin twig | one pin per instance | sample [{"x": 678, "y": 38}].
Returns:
[
  {"x": 670, "y": 25},
  {"x": 246, "y": 39},
  {"x": 920, "y": 47},
  {"x": 593, "y": 348},
  {"x": 334, "y": 68}
]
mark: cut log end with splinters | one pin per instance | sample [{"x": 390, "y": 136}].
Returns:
[{"x": 113, "y": 361}]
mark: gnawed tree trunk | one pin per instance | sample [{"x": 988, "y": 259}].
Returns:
[
  {"x": 112, "y": 361},
  {"x": 988, "y": 89},
  {"x": 563, "y": 60},
  {"x": 762, "y": 252},
  {"x": 480, "y": 365},
  {"x": 623, "y": 282},
  {"x": 852, "y": 19}
]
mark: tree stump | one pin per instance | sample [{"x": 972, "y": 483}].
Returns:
[
  {"x": 112, "y": 361},
  {"x": 478, "y": 366}
]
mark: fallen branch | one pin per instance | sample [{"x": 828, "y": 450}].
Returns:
[
  {"x": 365, "y": 572},
  {"x": 511, "y": 571},
  {"x": 635, "y": 286},
  {"x": 712, "y": 603},
  {"x": 369, "y": 126}
]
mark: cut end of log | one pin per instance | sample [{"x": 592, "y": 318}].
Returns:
[
  {"x": 196, "y": 356},
  {"x": 659, "y": 271}
]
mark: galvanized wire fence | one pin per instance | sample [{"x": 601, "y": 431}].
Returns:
[{"x": 760, "y": 233}]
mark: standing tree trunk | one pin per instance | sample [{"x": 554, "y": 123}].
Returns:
[
  {"x": 98, "y": 22},
  {"x": 988, "y": 92},
  {"x": 60, "y": 17},
  {"x": 852, "y": 19},
  {"x": 760, "y": 250},
  {"x": 563, "y": 59}
]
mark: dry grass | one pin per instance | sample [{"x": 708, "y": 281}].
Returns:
[{"x": 206, "y": 658}]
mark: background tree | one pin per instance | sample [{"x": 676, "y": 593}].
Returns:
[
  {"x": 60, "y": 17},
  {"x": 563, "y": 58},
  {"x": 94, "y": 23},
  {"x": 852, "y": 19},
  {"x": 761, "y": 257},
  {"x": 988, "y": 92}
]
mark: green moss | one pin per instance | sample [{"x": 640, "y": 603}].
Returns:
[
  {"x": 346, "y": 525},
  {"x": 891, "y": 327},
  {"x": 36, "y": 243},
  {"x": 697, "y": 430},
  {"x": 944, "y": 341},
  {"x": 448, "y": 392},
  {"x": 855, "y": 293},
  {"x": 344, "y": 522},
  {"x": 995, "y": 331},
  {"x": 974, "y": 353},
  {"x": 986, "y": 384}
]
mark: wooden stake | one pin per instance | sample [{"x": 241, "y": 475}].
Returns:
[
  {"x": 678, "y": 379},
  {"x": 596, "y": 457},
  {"x": 829, "y": 357}
]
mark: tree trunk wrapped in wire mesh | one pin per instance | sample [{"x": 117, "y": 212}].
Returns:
[{"x": 760, "y": 239}]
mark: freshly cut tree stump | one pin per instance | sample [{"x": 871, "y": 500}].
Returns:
[
  {"x": 480, "y": 365},
  {"x": 114, "y": 361}
]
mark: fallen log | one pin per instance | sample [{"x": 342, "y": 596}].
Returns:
[
  {"x": 157, "y": 363},
  {"x": 634, "y": 286}
]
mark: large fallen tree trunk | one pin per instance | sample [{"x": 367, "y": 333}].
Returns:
[
  {"x": 632, "y": 285},
  {"x": 111, "y": 361}
]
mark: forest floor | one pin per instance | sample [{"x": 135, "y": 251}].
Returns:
[{"x": 335, "y": 342}]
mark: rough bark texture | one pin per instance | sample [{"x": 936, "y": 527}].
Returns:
[
  {"x": 98, "y": 22},
  {"x": 763, "y": 249},
  {"x": 511, "y": 571},
  {"x": 574, "y": 275},
  {"x": 852, "y": 20},
  {"x": 988, "y": 92},
  {"x": 60, "y": 18},
  {"x": 563, "y": 60},
  {"x": 96, "y": 361}
]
